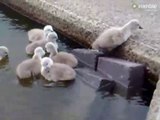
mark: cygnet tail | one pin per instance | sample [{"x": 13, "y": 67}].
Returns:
[
  {"x": 29, "y": 49},
  {"x": 71, "y": 75},
  {"x": 22, "y": 74}
]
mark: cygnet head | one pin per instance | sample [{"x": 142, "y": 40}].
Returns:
[
  {"x": 47, "y": 29},
  {"x": 134, "y": 24},
  {"x": 5, "y": 49},
  {"x": 39, "y": 51},
  {"x": 46, "y": 62},
  {"x": 51, "y": 47},
  {"x": 52, "y": 36}
]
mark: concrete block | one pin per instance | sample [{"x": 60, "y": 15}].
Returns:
[
  {"x": 87, "y": 57},
  {"x": 129, "y": 76}
]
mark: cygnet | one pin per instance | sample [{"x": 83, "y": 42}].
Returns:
[
  {"x": 31, "y": 67},
  {"x": 115, "y": 36},
  {"x": 40, "y": 34},
  {"x": 56, "y": 71},
  {"x": 3, "y": 52},
  {"x": 61, "y": 57},
  {"x": 41, "y": 43}
]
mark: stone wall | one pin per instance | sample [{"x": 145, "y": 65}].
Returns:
[{"x": 154, "y": 111}]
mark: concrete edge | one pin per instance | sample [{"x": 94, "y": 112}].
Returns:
[{"x": 154, "y": 110}]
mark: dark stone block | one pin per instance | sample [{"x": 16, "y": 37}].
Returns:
[
  {"x": 87, "y": 57},
  {"x": 90, "y": 77},
  {"x": 129, "y": 76},
  {"x": 96, "y": 80}
]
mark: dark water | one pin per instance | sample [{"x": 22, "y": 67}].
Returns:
[{"x": 29, "y": 100}]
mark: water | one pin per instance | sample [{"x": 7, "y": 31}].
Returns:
[{"x": 29, "y": 100}]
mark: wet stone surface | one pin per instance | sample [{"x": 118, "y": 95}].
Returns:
[{"x": 128, "y": 75}]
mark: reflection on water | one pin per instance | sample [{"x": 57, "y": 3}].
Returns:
[
  {"x": 4, "y": 62},
  {"x": 29, "y": 100}
]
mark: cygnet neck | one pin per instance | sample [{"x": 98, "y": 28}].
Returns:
[
  {"x": 52, "y": 53},
  {"x": 127, "y": 30},
  {"x": 36, "y": 57},
  {"x": 45, "y": 35}
]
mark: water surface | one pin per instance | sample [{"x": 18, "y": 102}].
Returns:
[{"x": 31, "y": 101}]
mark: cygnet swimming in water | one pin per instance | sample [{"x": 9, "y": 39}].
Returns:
[
  {"x": 115, "y": 36},
  {"x": 3, "y": 52},
  {"x": 40, "y": 34},
  {"x": 60, "y": 57},
  {"x": 31, "y": 67},
  {"x": 41, "y": 43},
  {"x": 56, "y": 72}
]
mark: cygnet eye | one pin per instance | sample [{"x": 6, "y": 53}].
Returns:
[
  {"x": 46, "y": 64},
  {"x": 5, "y": 53},
  {"x": 47, "y": 70},
  {"x": 50, "y": 30},
  {"x": 140, "y": 27}
]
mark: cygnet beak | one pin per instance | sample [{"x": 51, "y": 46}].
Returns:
[
  {"x": 140, "y": 27},
  {"x": 51, "y": 30}
]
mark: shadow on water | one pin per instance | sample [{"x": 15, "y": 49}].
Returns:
[
  {"x": 29, "y": 99},
  {"x": 4, "y": 62}
]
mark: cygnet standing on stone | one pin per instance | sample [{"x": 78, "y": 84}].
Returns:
[
  {"x": 51, "y": 37},
  {"x": 39, "y": 34},
  {"x": 32, "y": 66},
  {"x": 56, "y": 71},
  {"x": 115, "y": 36},
  {"x": 3, "y": 52},
  {"x": 60, "y": 57}
]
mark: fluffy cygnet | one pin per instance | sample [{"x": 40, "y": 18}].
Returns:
[
  {"x": 115, "y": 36},
  {"x": 60, "y": 57},
  {"x": 32, "y": 66},
  {"x": 41, "y": 43},
  {"x": 3, "y": 52},
  {"x": 56, "y": 71},
  {"x": 40, "y": 34}
]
